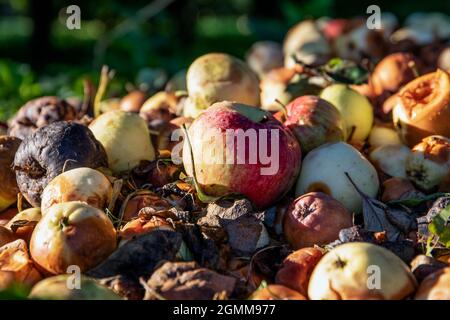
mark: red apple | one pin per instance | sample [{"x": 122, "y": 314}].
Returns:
[
  {"x": 315, "y": 219},
  {"x": 297, "y": 268},
  {"x": 314, "y": 121},
  {"x": 242, "y": 149}
]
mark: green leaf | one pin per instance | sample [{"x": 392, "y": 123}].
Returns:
[
  {"x": 440, "y": 226},
  {"x": 346, "y": 71}
]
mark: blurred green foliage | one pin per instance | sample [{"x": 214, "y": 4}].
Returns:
[{"x": 117, "y": 33}]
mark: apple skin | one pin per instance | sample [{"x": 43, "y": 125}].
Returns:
[
  {"x": 218, "y": 178},
  {"x": 216, "y": 77},
  {"x": 72, "y": 233},
  {"x": 276, "y": 292},
  {"x": 381, "y": 135},
  {"x": 323, "y": 169},
  {"x": 391, "y": 159},
  {"x": 264, "y": 56},
  {"x": 435, "y": 286},
  {"x": 32, "y": 215},
  {"x": 430, "y": 115},
  {"x": 315, "y": 218},
  {"x": 314, "y": 122},
  {"x": 356, "y": 110},
  {"x": 80, "y": 184},
  {"x": 297, "y": 269},
  {"x": 343, "y": 274}
]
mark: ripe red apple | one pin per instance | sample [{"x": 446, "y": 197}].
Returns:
[
  {"x": 315, "y": 219},
  {"x": 297, "y": 268},
  {"x": 72, "y": 233},
  {"x": 423, "y": 108},
  {"x": 314, "y": 121},
  {"x": 242, "y": 149}
]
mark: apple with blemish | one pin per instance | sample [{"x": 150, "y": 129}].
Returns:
[
  {"x": 315, "y": 218},
  {"x": 314, "y": 122},
  {"x": 242, "y": 149}
]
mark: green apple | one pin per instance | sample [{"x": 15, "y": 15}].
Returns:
[
  {"x": 355, "y": 109},
  {"x": 125, "y": 137}
]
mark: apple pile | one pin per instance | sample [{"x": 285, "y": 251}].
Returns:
[{"x": 316, "y": 169}]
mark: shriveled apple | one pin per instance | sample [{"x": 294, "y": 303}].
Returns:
[
  {"x": 391, "y": 159},
  {"x": 356, "y": 110},
  {"x": 80, "y": 184},
  {"x": 315, "y": 219},
  {"x": 429, "y": 163},
  {"x": 435, "y": 286},
  {"x": 314, "y": 122},
  {"x": 276, "y": 292},
  {"x": 423, "y": 108},
  {"x": 142, "y": 200},
  {"x": 324, "y": 169},
  {"x": 72, "y": 233},
  {"x": 360, "y": 270},
  {"x": 216, "y": 77},
  {"x": 23, "y": 223},
  {"x": 297, "y": 269},
  {"x": 16, "y": 265},
  {"x": 125, "y": 138},
  {"x": 58, "y": 288},
  {"x": 9, "y": 189}
]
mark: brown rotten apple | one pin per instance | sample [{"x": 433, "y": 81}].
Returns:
[
  {"x": 314, "y": 122},
  {"x": 297, "y": 268},
  {"x": 72, "y": 233},
  {"x": 423, "y": 108},
  {"x": 8, "y": 189},
  {"x": 241, "y": 149},
  {"x": 315, "y": 219},
  {"x": 359, "y": 270},
  {"x": 216, "y": 77}
]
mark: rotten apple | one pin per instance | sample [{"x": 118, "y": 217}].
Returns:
[
  {"x": 423, "y": 108},
  {"x": 72, "y": 233},
  {"x": 435, "y": 286},
  {"x": 315, "y": 219},
  {"x": 391, "y": 159},
  {"x": 9, "y": 189},
  {"x": 216, "y": 77},
  {"x": 241, "y": 149},
  {"x": 276, "y": 292},
  {"x": 297, "y": 269},
  {"x": 429, "y": 163},
  {"x": 80, "y": 184},
  {"x": 24, "y": 222},
  {"x": 324, "y": 169},
  {"x": 314, "y": 122},
  {"x": 360, "y": 270}
]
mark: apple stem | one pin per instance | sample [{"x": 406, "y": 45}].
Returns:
[
  {"x": 105, "y": 76},
  {"x": 283, "y": 107}
]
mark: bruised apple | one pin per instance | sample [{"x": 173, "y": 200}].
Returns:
[
  {"x": 23, "y": 223},
  {"x": 216, "y": 77},
  {"x": 423, "y": 108},
  {"x": 324, "y": 169},
  {"x": 8, "y": 189},
  {"x": 361, "y": 271},
  {"x": 72, "y": 233},
  {"x": 297, "y": 268},
  {"x": 391, "y": 159},
  {"x": 241, "y": 149},
  {"x": 276, "y": 292},
  {"x": 125, "y": 137},
  {"x": 356, "y": 110},
  {"x": 435, "y": 286},
  {"x": 80, "y": 184},
  {"x": 314, "y": 122},
  {"x": 429, "y": 163},
  {"x": 57, "y": 288},
  {"x": 315, "y": 219}
]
